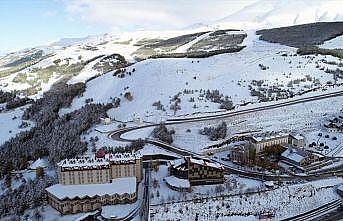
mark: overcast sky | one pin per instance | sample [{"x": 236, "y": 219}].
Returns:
[{"x": 28, "y": 23}]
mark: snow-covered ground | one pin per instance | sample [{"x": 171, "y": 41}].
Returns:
[
  {"x": 19, "y": 177},
  {"x": 50, "y": 214},
  {"x": 333, "y": 43},
  {"x": 153, "y": 150},
  {"x": 306, "y": 119},
  {"x": 73, "y": 51},
  {"x": 184, "y": 48},
  {"x": 285, "y": 201},
  {"x": 69, "y": 55},
  {"x": 142, "y": 133},
  {"x": 161, "y": 79},
  {"x": 161, "y": 193},
  {"x": 86, "y": 73},
  {"x": 10, "y": 122},
  {"x": 334, "y": 146},
  {"x": 99, "y": 134},
  {"x": 232, "y": 74},
  {"x": 100, "y": 140}
]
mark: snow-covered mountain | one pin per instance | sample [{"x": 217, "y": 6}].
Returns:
[
  {"x": 277, "y": 13},
  {"x": 145, "y": 77},
  {"x": 33, "y": 71}
]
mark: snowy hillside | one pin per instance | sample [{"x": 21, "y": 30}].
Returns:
[
  {"x": 333, "y": 43},
  {"x": 33, "y": 71},
  {"x": 163, "y": 88},
  {"x": 201, "y": 91},
  {"x": 260, "y": 67},
  {"x": 275, "y": 13}
]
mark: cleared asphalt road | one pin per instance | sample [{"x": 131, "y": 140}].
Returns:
[{"x": 117, "y": 135}]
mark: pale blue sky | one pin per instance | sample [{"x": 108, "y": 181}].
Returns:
[{"x": 28, "y": 23}]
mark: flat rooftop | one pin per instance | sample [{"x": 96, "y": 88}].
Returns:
[
  {"x": 269, "y": 136},
  {"x": 177, "y": 182},
  {"x": 205, "y": 163},
  {"x": 84, "y": 162},
  {"x": 118, "y": 186},
  {"x": 92, "y": 162}
]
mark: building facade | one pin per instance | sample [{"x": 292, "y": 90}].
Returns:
[
  {"x": 87, "y": 183},
  {"x": 296, "y": 140},
  {"x": 242, "y": 153},
  {"x": 85, "y": 198},
  {"x": 260, "y": 142},
  {"x": 95, "y": 170},
  {"x": 298, "y": 157},
  {"x": 199, "y": 171}
]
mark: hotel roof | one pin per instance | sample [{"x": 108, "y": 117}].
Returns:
[
  {"x": 93, "y": 162},
  {"x": 295, "y": 154},
  {"x": 205, "y": 162},
  {"x": 118, "y": 186},
  {"x": 84, "y": 163},
  {"x": 268, "y": 136}
]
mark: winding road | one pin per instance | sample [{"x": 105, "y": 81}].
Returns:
[{"x": 117, "y": 135}]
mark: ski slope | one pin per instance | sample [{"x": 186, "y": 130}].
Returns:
[{"x": 161, "y": 79}]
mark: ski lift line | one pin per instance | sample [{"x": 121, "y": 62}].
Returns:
[{"x": 338, "y": 150}]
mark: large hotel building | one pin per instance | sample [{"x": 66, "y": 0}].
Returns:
[{"x": 87, "y": 183}]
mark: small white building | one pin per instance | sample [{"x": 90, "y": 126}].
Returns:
[
  {"x": 298, "y": 157},
  {"x": 296, "y": 140},
  {"x": 42, "y": 163},
  {"x": 269, "y": 184},
  {"x": 105, "y": 121},
  {"x": 261, "y": 141}
]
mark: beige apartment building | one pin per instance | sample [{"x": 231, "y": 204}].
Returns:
[
  {"x": 85, "y": 198},
  {"x": 296, "y": 140},
  {"x": 94, "y": 170},
  {"x": 87, "y": 183},
  {"x": 260, "y": 142}
]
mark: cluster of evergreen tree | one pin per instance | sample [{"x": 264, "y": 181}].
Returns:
[
  {"x": 133, "y": 146},
  {"x": 28, "y": 195},
  {"x": 12, "y": 100},
  {"x": 215, "y": 133},
  {"x": 6, "y": 96},
  {"x": 45, "y": 109},
  {"x": 56, "y": 137},
  {"x": 17, "y": 102},
  {"x": 198, "y": 54},
  {"x": 53, "y": 136},
  {"x": 302, "y": 35},
  {"x": 162, "y": 133},
  {"x": 216, "y": 97}
]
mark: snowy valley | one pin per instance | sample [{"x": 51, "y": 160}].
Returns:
[{"x": 240, "y": 119}]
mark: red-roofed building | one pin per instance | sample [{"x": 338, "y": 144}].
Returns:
[{"x": 100, "y": 154}]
